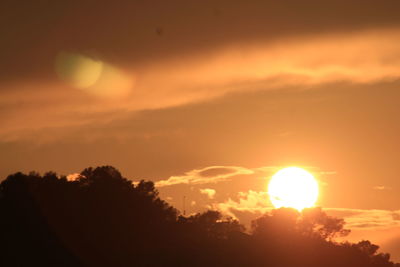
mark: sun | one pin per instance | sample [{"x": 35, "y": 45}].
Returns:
[{"x": 293, "y": 187}]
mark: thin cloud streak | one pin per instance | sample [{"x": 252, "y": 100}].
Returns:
[
  {"x": 195, "y": 177},
  {"x": 367, "y": 219}
]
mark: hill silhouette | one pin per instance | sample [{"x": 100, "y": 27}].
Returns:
[{"x": 103, "y": 219}]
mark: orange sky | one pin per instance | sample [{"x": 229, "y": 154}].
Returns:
[{"x": 208, "y": 99}]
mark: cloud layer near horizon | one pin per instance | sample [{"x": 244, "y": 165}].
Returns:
[{"x": 247, "y": 205}]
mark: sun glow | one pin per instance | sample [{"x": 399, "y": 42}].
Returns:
[{"x": 293, "y": 187}]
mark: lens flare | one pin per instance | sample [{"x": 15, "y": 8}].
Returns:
[
  {"x": 93, "y": 76},
  {"x": 78, "y": 70}
]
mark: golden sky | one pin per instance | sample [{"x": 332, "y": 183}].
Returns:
[{"x": 210, "y": 98}]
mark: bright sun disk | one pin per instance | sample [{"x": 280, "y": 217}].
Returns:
[{"x": 293, "y": 187}]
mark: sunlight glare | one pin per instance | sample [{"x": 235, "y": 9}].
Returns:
[{"x": 293, "y": 187}]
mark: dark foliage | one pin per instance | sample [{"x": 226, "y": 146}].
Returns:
[{"x": 103, "y": 219}]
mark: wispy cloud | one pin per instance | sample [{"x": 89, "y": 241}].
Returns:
[
  {"x": 208, "y": 175},
  {"x": 367, "y": 218}
]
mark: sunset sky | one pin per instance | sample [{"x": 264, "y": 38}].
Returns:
[{"x": 209, "y": 99}]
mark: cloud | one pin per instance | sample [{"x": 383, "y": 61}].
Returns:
[
  {"x": 215, "y": 171},
  {"x": 250, "y": 201},
  {"x": 187, "y": 28},
  {"x": 224, "y": 173},
  {"x": 52, "y": 106},
  {"x": 367, "y": 219},
  {"x": 210, "y": 193},
  {"x": 206, "y": 50}
]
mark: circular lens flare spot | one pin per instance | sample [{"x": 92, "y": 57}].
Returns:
[
  {"x": 78, "y": 70},
  {"x": 93, "y": 76}
]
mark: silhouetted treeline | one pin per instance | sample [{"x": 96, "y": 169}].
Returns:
[{"x": 103, "y": 219}]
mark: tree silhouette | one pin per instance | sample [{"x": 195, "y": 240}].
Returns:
[
  {"x": 103, "y": 219},
  {"x": 315, "y": 222},
  {"x": 311, "y": 222}
]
